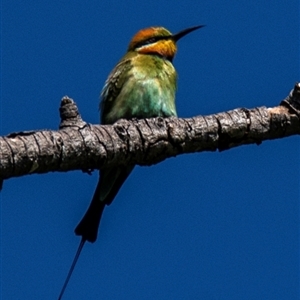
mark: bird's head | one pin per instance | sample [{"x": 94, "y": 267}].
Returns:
[{"x": 158, "y": 40}]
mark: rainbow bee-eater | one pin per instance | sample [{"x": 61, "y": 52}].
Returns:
[{"x": 142, "y": 85}]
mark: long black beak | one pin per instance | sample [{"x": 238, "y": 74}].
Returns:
[{"x": 184, "y": 32}]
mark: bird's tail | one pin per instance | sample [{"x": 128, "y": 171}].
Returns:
[
  {"x": 82, "y": 242},
  {"x": 88, "y": 229},
  {"x": 89, "y": 224},
  {"x": 107, "y": 188}
]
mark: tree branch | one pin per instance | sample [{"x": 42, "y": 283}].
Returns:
[{"x": 78, "y": 145}]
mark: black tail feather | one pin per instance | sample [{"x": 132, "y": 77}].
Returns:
[
  {"x": 82, "y": 242},
  {"x": 89, "y": 224}
]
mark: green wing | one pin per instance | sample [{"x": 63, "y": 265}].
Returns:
[{"x": 112, "y": 88}]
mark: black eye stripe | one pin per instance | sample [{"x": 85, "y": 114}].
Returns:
[{"x": 151, "y": 40}]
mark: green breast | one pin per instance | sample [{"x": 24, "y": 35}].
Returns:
[{"x": 141, "y": 86}]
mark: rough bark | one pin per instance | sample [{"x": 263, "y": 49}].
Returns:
[{"x": 78, "y": 145}]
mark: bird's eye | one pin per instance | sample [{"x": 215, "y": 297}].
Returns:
[{"x": 150, "y": 41}]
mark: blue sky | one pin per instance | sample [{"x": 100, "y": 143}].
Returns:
[{"x": 198, "y": 226}]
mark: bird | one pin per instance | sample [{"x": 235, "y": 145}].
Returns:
[{"x": 142, "y": 85}]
